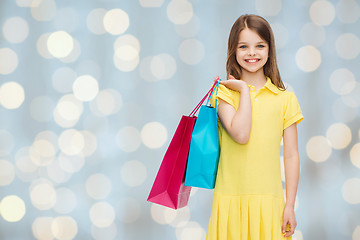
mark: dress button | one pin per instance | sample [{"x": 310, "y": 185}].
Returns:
[{"x": 255, "y": 99}]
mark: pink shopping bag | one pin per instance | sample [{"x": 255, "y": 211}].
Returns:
[{"x": 168, "y": 188}]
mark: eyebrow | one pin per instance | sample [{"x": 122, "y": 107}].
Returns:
[{"x": 246, "y": 42}]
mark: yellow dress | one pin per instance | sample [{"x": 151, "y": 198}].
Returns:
[{"x": 248, "y": 200}]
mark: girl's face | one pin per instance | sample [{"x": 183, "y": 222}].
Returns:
[{"x": 252, "y": 51}]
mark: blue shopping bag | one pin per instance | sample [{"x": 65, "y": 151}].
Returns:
[{"x": 204, "y": 149}]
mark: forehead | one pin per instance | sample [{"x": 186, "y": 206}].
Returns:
[{"x": 248, "y": 35}]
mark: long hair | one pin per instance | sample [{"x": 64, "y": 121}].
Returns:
[{"x": 263, "y": 29}]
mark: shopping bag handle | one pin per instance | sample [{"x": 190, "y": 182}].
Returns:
[{"x": 209, "y": 93}]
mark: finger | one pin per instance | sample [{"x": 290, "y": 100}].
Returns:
[
  {"x": 290, "y": 231},
  {"x": 283, "y": 227}
]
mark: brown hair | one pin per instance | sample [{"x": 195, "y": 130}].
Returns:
[{"x": 261, "y": 27}]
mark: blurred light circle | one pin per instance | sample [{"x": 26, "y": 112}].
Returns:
[
  {"x": 108, "y": 233},
  {"x": 179, "y": 11},
  {"x": 190, "y": 29},
  {"x": 94, "y": 21},
  {"x": 56, "y": 173},
  {"x": 312, "y": 34},
  {"x": 98, "y": 186},
  {"x": 126, "y": 65},
  {"x": 42, "y": 152},
  {"x": 342, "y": 112},
  {"x": 12, "y": 208},
  {"x": 90, "y": 143},
  {"x": 342, "y": 81},
  {"x": 348, "y": 11},
  {"x": 268, "y": 8},
  {"x": 68, "y": 111},
  {"x": 64, "y": 228},
  {"x": 8, "y": 61},
  {"x": 41, "y": 108},
  {"x": 130, "y": 210},
  {"x": 43, "y": 195},
  {"x": 193, "y": 231},
  {"x": 128, "y": 139},
  {"x": 163, "y": 66},
  {"x": 25, "y": 3},
  {"x": 339, "y": 135},
  {"x": 308, "y": 58},
  {"x": 158, "y": 213},
  {"x": 348, "y": 46},
  {"x": 71, "y": 142},
  {"x": 41, "y": 228},
  {"x": 6, "y": 142},
  {"x": 71, "y": 164},
  {"x": 154, "y": 135},
  {"x": 356, "y": 233},
  {"x": 41, "y": 46},
  {"x": 102, "y": 214},
  {"x": 177, "y": 218},
  {"x": 151, "y": 3},
  {"x": 355, "y": 155},
  {"x": 24, "y": 162},
  {"x": 44, "y": 10},
  {"x": 44, "y": 147},
  {"x": 107, "y": 102},
  {"x": 145, "y": 69},
  {"x": 60, "y": 44},
  {"x": 298, "y": 235},
  {"x": 15, "y": 30},
  {"x": 191, "y": 51},
  {"x": 7, "y": 172},
  {"x": 85, "y": 88},
  {"x": 127, "y": 53},
  {"x": 74, "y": 54},
  {"x": 48, "y": 136},
  {"x": 352, "y": 99},
  {"x": 63, "y": 79},
  {"x": 127, "y": 40},
  {"x": 65, "y": 201},
  {"x": 322, "y": 12},
  {"x": 351, "y": 191},
  {"x": 318, "y": 148},
  {"x": 12, "y": 95},
  {"x": 133, "y": 173},
  {"x": 116, "y": 21},
  {"x": 66, "y": 19},
  {"x": 281, "y": 34}
]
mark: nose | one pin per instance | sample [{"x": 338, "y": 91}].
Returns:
[{"x": 251, "y": 52}]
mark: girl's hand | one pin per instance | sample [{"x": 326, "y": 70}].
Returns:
[
  {"x": 234, "y": 84},
  {"x": 289, "y": 219}
]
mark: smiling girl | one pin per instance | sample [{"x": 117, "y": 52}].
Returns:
[{"x": 255, "y": 112}]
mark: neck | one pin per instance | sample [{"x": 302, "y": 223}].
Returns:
[{"x": 257, "y": 79}]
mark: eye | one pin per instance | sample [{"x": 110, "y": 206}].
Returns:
[
  {"x": 260, "y": 46},
  {"x": 242, "y": 46}
]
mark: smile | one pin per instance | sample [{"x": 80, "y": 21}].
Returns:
[{"x": 252, "y": 60}]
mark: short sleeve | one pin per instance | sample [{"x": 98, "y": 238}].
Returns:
[
  {"x": 224, "y": 94},
  {"x": 292, "y": 111}
]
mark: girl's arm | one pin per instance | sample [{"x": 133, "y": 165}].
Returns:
[
  {"x": 292, "y": 172},
  {"x": 237, "y": 123}
]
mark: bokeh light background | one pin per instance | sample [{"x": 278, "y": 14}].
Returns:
[{"x": 91, "y": 92}]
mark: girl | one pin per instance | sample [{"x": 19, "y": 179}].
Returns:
[{"x": 255, "y": 113}]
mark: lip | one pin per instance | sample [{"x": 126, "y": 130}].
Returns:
[{"x": 252, "y": 60}]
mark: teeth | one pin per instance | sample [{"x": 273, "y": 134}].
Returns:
[{"x": 254, "y": 60}]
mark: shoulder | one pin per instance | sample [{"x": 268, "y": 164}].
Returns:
[{"x": 286, "y": 94}]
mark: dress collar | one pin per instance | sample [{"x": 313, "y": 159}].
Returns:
[{"x": 269, "y": 85}]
